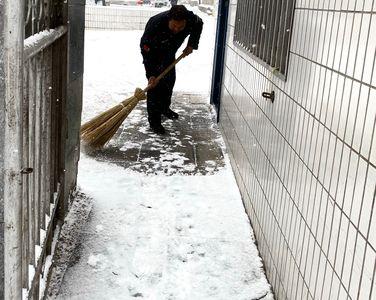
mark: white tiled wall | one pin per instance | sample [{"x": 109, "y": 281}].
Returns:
[{"x": 306, "y": 164}]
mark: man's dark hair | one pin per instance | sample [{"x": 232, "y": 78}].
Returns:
[{"x": 178, "y": 13}]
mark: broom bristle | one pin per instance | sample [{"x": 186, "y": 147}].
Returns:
[
  {"x": 98, "y": 131},
  {"x": 103, "y": 117},
  {"x": 97, "y": 136}
]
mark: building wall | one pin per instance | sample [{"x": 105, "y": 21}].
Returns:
[
  {"x": 207, "y": 2},
  {"x": 306, "y": 164}
]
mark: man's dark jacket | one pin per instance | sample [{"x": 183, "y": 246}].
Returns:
[{"x": 159, "y": 44}]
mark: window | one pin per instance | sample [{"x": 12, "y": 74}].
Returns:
[{"x": 263, "y": 28}]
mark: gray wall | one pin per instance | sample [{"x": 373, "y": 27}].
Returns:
[
  {"x": 306, "y": 165},
  {"x": 2, "y": 137}
]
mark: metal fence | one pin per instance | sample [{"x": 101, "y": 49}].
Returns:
[
  {"x": 118, "y": 18},
  {"x": 35, "y": 76},
  {"x": 45, "y": 59},
  {"x": 263, "y": 28},
  {"x": 306, "y": 163}
]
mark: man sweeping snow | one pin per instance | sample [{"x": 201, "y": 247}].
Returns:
[{"x": 163, "y": 36}]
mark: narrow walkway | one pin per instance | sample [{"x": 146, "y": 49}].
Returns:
[
  {"x": 189, "y": 147},
  {"x": 167, "y": 221}
]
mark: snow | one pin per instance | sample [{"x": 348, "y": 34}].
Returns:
[
  {"x": 64, "y": 248},
  {"x": 157, "y": 236},
  {"x": 31, "y": 274},
  {"x": 38, "y": 37},
  {"x": 41, "y": 40},
  {"x": 48, "y": 264},
  {"x": 165, "y": 237}
]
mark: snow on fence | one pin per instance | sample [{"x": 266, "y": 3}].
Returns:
[{"x": 118, "y": 17}]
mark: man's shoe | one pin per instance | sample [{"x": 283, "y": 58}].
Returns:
[
  {"x": 170, "y": 114},
  {"x": 158, "y": 129}
]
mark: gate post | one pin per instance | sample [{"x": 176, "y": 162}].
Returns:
[
  {"x": 13, "y": 35},
  {"x": 76, "y": 31},
  {"x": 219, "y": 54},
  {"x": 2, "y": 138}
]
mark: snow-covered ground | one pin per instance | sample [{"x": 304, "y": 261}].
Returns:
[
  {"x": 164, "y": 237},
  {"x": 158, "y": 237}
]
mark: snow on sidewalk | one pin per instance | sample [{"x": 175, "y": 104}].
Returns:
[
  {"x": 159, "y": 237},
  {"x": 164, "y": 237}
]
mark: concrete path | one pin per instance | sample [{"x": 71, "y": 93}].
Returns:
[{"x": 167, "y": 221}]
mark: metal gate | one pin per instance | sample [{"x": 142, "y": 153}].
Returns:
[{"x": 36, "y": 76}]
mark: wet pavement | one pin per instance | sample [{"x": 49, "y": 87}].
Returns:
[{"x": 190, "y": 146}]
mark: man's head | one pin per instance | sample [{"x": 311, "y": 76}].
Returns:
[{"x": 177, "y": 18}]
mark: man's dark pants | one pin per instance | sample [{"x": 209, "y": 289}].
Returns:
[{"x": 159, "y": 98}]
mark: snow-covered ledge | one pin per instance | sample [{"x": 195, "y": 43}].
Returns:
[{"x": 42, "y": 40}]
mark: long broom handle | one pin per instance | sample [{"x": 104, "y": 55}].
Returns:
[{"x": 168, "y": 69}]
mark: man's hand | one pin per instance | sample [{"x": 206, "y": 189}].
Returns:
[
  {"x": 153, "y": 82},
  {"x": 188, "y": 50}
]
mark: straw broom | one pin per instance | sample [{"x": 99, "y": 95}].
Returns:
[{"x": 98, "y": 131}]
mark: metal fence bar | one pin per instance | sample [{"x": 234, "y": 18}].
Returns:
[
  {"x": 275, "y": 34},
  {"x": 31, "y": 151},
  {"x": 253, "y": 25},
  {"x": 265, "y": 29},
  {"x": 246, "y": 14},
  {"x": 25, "y": 182},
  {"x": 287, "y": 35},
  {"x": 37, "y": 141},
  {"x": 258, "y": 26},
  {"x": 281, "y": 21},
  {"x": 250, "y": 29},
  {"x": 48, "y": 91},
  {"x": 272, "y": 8},
  {"x": 13, "y": 64},
  {"x": 42, "y": 149}
]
